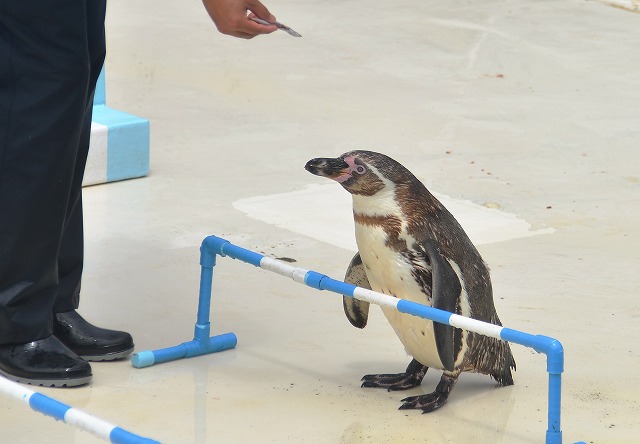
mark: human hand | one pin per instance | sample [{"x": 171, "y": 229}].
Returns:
[{"x": 230, "y": 17}]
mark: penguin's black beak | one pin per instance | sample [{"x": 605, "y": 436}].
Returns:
[{"x": 326, "y": 167}]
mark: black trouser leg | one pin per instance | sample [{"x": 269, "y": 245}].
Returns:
[
  {"x": 71, "y": 255},
  {"x": 49, "y": 60}
]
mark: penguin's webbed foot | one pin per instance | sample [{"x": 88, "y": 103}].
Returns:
[
  {"x": 392, "y": 382},
  {"x": 432, "y": 401},
  {"x": 426, "y": 403},
  {"x": 397, "y": 381}
]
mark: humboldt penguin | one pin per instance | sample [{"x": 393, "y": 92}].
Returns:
[{"x": 411, "y": 247}]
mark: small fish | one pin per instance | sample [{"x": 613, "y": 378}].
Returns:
[{"x": 285, "y": 28}]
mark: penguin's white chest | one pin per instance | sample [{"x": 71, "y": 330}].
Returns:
[{"x": 389, "y": 272}]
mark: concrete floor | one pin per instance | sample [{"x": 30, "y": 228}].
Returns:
[{"x": 529, "y": 108}]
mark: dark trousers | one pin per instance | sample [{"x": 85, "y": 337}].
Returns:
[{"x": 51, "y": 53}]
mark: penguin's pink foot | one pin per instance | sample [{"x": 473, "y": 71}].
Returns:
[{"x": 397, "y": 381}]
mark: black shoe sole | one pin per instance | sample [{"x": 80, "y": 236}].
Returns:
[
  {"x": 49, "y": 382},
  {"x": 107, "y": 357}
]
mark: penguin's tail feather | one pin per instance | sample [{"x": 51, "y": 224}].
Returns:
[
  {"x": 492, "y": 356},
  {"x": 503, "y": 376}
]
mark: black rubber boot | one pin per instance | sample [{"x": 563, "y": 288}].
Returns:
[
  {"x": 90, "y": 342},
  {"x": 46, "y": 362}
]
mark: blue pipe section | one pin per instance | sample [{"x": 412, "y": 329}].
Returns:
[
  {"x": 202, "y": 328},
  {"x": 185, "y": 350},
  {"x": 554, "y": 433},
  {"x": 326, "y": 283},
  {"x": 216, "y": 245},
  {"x": 423, "y": 311},
  {"x": 121, "y": 436},
  {"x": 48, "y": 406},
  {"x": 57, "y": 410},
  {"x": 316, "y": 280}
]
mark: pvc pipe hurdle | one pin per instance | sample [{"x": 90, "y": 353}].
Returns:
[
  {"x": 213, "y": 246},
  {"x": 59, "y": 411},
  {"x": 202, "y": 343}
]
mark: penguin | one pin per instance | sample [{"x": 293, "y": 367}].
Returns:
[{"x": 411, "y": 247}]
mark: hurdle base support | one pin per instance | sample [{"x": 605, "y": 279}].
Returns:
[{"x": 195, "y": 347}]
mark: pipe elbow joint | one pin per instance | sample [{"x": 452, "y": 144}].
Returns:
[
  {"x": 211, "y": 246},
  {"x": 554, "y": 351}
]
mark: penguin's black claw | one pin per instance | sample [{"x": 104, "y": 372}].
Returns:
[
  {"x": 432, "y": 401},
  {"x": 426, "y": 403},
  {"x": 412, "y": 377},
  {"x": 392, "y": 382}
]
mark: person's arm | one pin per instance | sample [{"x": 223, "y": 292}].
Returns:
[{"x": 230, "y": 17}]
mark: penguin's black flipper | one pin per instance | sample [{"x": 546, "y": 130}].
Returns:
[
  {"x": 445, "y": 292},
  {"x": 357, "y": 311}
]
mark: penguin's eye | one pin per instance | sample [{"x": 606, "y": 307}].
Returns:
[{"x": 359, "y": 169}]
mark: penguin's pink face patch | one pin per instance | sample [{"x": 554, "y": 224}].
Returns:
[{"x": 351, "y": 171}]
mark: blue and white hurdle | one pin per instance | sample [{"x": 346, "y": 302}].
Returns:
[
  {"x": 202, "y": 343},
  {"x": 69, "y": 415}
]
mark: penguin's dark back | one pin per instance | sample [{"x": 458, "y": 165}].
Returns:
[{"x": 427, "y": 215}]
